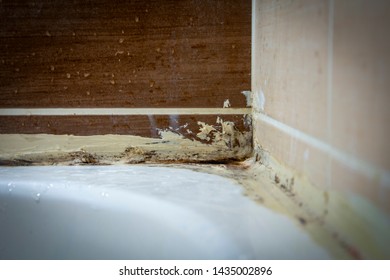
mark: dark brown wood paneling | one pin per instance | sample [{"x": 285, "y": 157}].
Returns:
[
  {"x": 140, "y": 125},
  {"x": 102, "y": 53}
]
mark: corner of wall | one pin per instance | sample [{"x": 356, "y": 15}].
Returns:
[{"x": 296, "y": 56}]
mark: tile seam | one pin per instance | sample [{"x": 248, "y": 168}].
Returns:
[
  {"x": 330, "y": 85},
  {"x": 366, "y": 168}
]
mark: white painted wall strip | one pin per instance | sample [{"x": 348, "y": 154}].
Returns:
[
  {"x": 122, "y": 111},
  {"x": 366, "y": 168}
]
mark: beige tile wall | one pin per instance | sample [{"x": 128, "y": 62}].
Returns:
[
  {"x": 290, "y": 55},
  {"x": 321, "y": 83},
  {"x": 361, "y": 83}
]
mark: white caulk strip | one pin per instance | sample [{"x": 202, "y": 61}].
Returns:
[
  {"x": 368, "y": 169},
  {"x": 122, "y": 111}
]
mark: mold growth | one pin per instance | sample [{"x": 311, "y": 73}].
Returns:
[
  {"x": 220, "y": 142},
  {"x": 333, "y": 220},
  {"x": 350, "y": 226}
]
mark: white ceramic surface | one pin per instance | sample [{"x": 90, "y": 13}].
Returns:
[{"x": 139, "y": 212}]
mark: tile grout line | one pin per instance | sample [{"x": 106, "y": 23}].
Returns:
[
  {"x": 121, "y": 111},
  {"x": 330, "y": 70},
  {"x": 368, "y": 169},
  {"x": 330, "y": 85}
]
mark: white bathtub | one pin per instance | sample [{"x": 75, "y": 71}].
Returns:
[{"x": 139, "y": 212}]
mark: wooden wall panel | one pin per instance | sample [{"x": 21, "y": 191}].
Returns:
[
  {"x": 139, "y": 125},
  {"x": 139, "y": 54},
  {"x": 178, "y": 54}
]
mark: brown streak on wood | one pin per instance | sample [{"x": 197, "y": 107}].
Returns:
[
  {"x": 134, "y": 54},
  {"x": 139, "y": 125}
]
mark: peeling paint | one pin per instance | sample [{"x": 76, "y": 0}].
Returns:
[
  {"x": 248, "y": 96},
  {"x": 259, "y": 101},
  {"x": 218, "y": 142},
  {"x": 226, "y": 104},
  {"x": 205, "y": 131}
]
